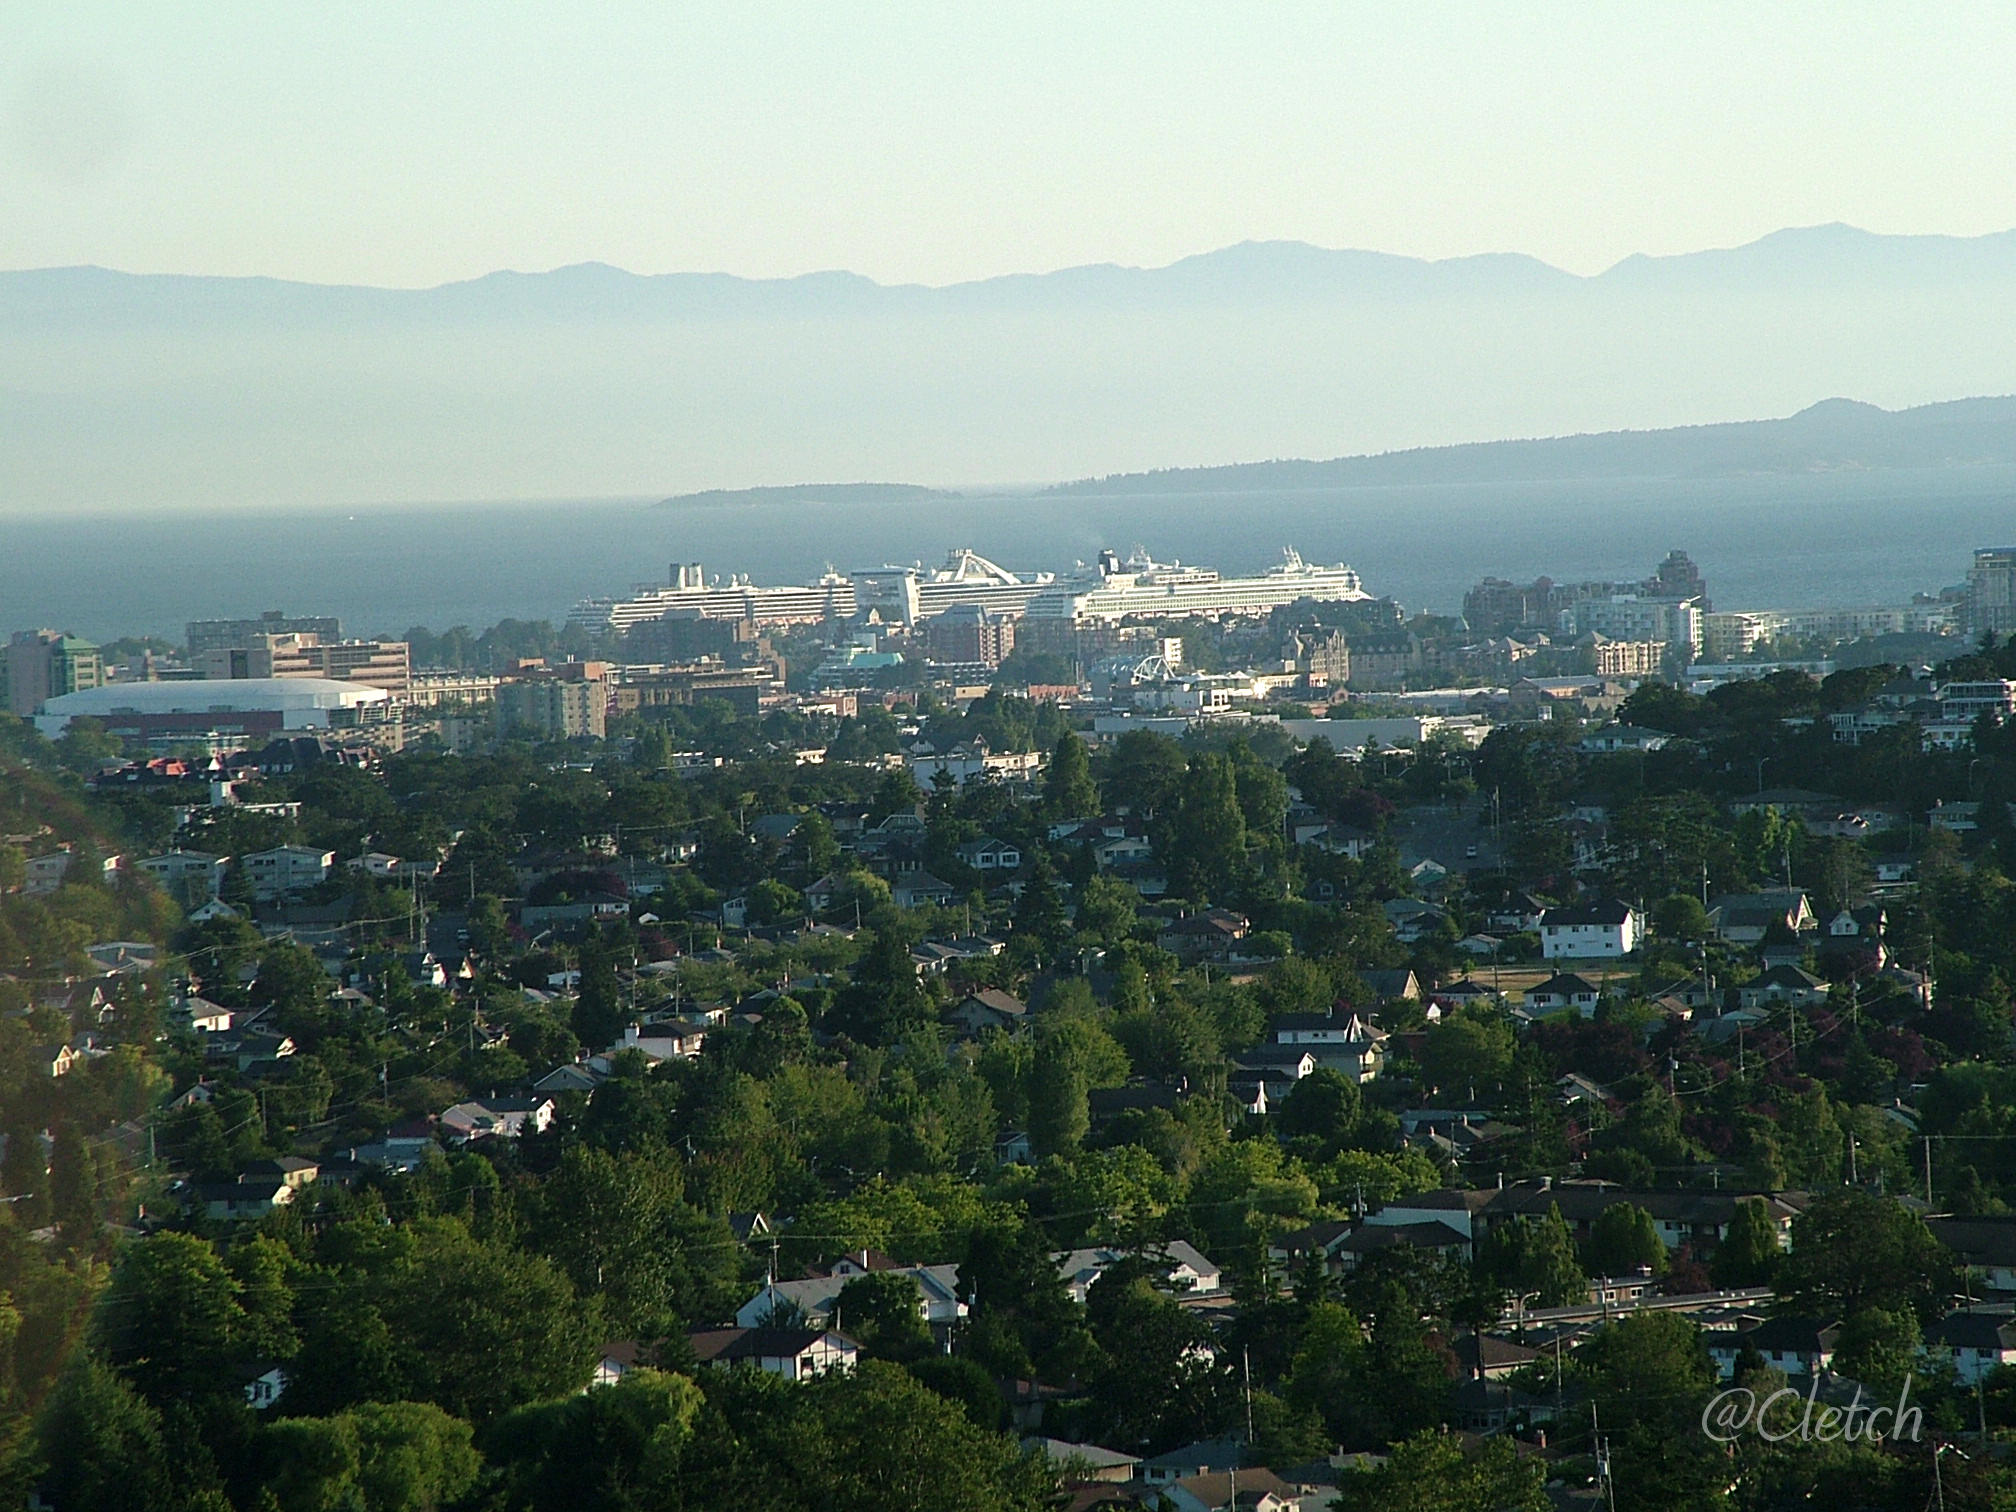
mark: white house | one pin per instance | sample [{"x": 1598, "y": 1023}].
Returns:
[
  {"x": 793, "y": 1353},
  {"x": 287, "y": 869},
  {"x": 1605, "y": 927},
  {"x": 813, "y": 1298},
  {"x": 193, "y": 876},
  {"x": 1978, "y": 1343},
  {"x": 1189, "y": 1272}
]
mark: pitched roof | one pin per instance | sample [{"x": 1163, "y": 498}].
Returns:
[
  {"x": 731, "y": 1344},
  {"x": 1609, "y": 911}
]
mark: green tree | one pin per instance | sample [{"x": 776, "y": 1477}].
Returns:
[
  {"x": 1068, "y": 789},
  {"x": 1879, "y": 1348},
  {"x": 883, "y": 1312},
  {"x": 1323, "y": 1109},
  {"x": 613, "y": 1449},
  {"x": 1852, "y": 1250},
  {"x": 1431, "y": 1473},
  {"x": 426, "y": 1312},
  {"x": 1208, "y": 853},
  {"x": 1624, "y": 1239},
  {"x": 102, "y": 1444},
  {"x": 598, "y": 1008},
  {"x": 1469, "y": 1051},
  {"x": 174, "y": 1326},
  {"x": 1536, "y": 1255},
  {"x": 377, "y": 1457},
  {"x": 1059, "y": 1097},
  {"x": 605, "y": 1219},
  {"x": 1749, "y": 1253}
]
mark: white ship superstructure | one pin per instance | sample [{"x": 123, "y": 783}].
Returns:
[
  {"x": 1111, "y": 590},
  {"x": 912, "y": 594},
  {"x": 832, "y": 597}
]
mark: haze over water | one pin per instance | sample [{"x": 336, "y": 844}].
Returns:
[{"x": 1763, "y": 542}]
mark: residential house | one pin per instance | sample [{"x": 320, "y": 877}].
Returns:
[
  {"x": 793, "y": 1353},
  {"x": 1086, "y": 1463},
  {"x": 989, "y": 1008},
  {"x": 54, "y": 1060},
  {"x": 1697, "y": 1218},
  {"x": 1484, "y": 1356},
  {"x": 1397, "y": 984},
  {"x": 1978, "y": 1343},
  {"x": 1986, "y": 1246},
  {"x": 1412, "y": 919},
  {"x": 1432, "y": 1236},
  {"x": 1346, "y": 1043},
  {"x": 243, "y": 1199},
  {"x": 1190, "y": 1273},
  {"x": 990, "y": 855},
  {"x": 291, "y": 1169},
  {"x": 1796, "y": 1346},
  {"x": 915, "y": 889},
  {"x": 615, "y": 1361},
  {"x": 498, "y": 1118},
  {"x": 813, "y": 1298},
  {"x": 1782, "y": 984},
  {"x": 1250, "y": 1490},
  {"x": 1605, "y": 927},
  {"x": 1318, "y": 1242},
  {"x": 1745, "y": 918},
  {"x": 1208, "y": 935},
  {"x": 287, "y": 869},
  {"x": 202, "y": 1015},
  {"x": 1560, "y": 992},
  {"x": 263, "y": 1386},
  {"x": 1518, "y": 914},
  {"x": 1855, "y": 935},
  {"x": 190, "y": 876},
  {"x": 1213, "y": 1455}
]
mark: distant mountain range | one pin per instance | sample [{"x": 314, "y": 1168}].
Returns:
[
  {"x": 124, "y": 390},
  {"x": 1835, "y": 435}
]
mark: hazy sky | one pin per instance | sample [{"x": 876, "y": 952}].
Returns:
[{"x": 939, "y": 141}]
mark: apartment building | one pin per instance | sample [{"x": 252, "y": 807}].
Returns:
[
  {"x": 38, "y": 665},
  {"x": 287, "y": 869},
  {"x": 555, "y": 703},
  {"x": 1991, "y": 591},
  {"x": 376, "y": 664},
  {"x": 237, "y": 634}
]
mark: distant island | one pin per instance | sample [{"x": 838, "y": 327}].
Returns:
[
  {"x": 811, "y": 493},
  {"x": 1835, "y": 435}
]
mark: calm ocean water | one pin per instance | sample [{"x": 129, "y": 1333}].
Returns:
[{"x": 1762, "y": 542}]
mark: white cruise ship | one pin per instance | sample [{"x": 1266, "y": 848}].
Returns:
[
  {"x": 912, "y": 594},
  {"x": 1112, "y": 590},
  {"x": 832, "y": 597}
]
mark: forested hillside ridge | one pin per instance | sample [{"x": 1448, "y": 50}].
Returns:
[{"x": 672, "y": 1122}]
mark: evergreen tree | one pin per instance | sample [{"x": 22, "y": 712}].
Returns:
[
  {"x": 1059, "y": 1112},
  {"x": 598, "y": 1009},
  {"x": 1749, "y": 1254},
  {"x": 1041, "y": 930},
  {"x": 1068, "y": 789},
  {"x": 1208, "y": 852},
  {"x": 1624, "y": 1239},
  {"x": 102, "y": 1443}
]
